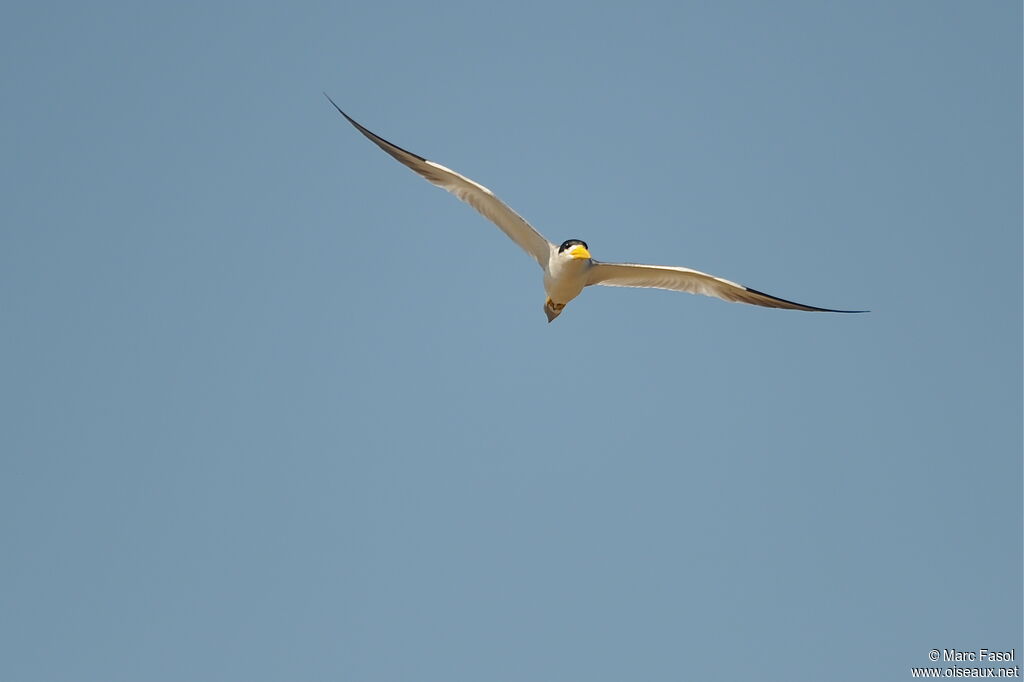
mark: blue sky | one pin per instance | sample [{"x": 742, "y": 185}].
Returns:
[{"x": 275, "y": 408}]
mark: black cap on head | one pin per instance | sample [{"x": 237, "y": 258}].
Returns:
[{"x": 569, "y": 242}]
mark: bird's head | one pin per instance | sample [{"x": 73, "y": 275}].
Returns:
[{"x": 574, "y": 248}]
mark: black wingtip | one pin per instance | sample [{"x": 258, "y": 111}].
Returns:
[
  {"x": 359, "y": 126},
  {"x": 372, "y": 136},
  {"x": 804, "y": 306},
  {"x": 339, "y": 109}
]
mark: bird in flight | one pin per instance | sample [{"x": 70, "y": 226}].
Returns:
[{"x": 568, "y": 267}]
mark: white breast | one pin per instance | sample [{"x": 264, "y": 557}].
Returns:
[{"x": 565, "y": 278}]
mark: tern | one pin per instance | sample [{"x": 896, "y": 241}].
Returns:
[{"x": 568, "y": 267}]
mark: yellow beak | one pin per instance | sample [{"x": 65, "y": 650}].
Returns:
[{"x": 578, "y": 251}]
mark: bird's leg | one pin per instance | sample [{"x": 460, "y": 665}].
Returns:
[{"x": 552, "y": 309}]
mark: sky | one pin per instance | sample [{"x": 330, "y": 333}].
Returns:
[{"x": 276, "y": 408}]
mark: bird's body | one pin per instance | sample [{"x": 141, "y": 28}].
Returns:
[
  {"x": 564, "y": 279},
  {"x": 565, "y": 275},
  {"x": 568, "y": 267}
]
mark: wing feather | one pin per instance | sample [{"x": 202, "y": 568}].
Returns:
[
  {"x": 473, "y": 193},
  {"x": 690, "y": 281}
]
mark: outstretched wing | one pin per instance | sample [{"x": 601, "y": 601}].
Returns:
[
  {"x": 474, "y": 194},
  {"x": 690, "y": 281}
]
